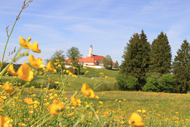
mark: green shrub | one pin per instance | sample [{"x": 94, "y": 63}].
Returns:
[
  {"x": 167, "y": 83},
  {"x": 152, "y": 85},
  {"x": 126, "y": 82}
]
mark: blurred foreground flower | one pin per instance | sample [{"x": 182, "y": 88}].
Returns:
[
  {"x": 4, "y": 122},
  {"x": 56, "y": 107},
  {"x": 24, "y": 43},
  {"x": 11, "y": 70},
  {"x": 24, "y": 72},
  {"x": 136, "y": 120},
  {"x": 50, "y": 67},
  {"x": 87, "y": 91},
  {"x": 36, "y": 63}
]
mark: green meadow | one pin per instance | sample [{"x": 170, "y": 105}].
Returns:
[{"x": 157, "y": 109}]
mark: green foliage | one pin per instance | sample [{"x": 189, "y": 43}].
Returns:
[
  {"x": 161, "y": 55},
  {"x": 58, "y": 55},
  {"x": 136, "y": 58},
  {"x": 126, "y": 82},
  {"x": 73, "y": 53},
  {"x": 167, "y": 83},
  {"x": 181, "y": 68},
  {"x": 152, "y": 85},
  {"x": 107, "y": 61},
  {"x": 116, "y": 64}
]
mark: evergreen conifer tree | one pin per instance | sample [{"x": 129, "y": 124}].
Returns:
[
  {"x": 161, "y": 55},
  {"x": 136, "y": 58},
  {"x": 181, "y": 68}
]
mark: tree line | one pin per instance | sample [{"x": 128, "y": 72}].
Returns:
[{"x": 149, "y": 67}]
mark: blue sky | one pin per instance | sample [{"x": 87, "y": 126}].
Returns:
[{"x": 106, "y": 24}]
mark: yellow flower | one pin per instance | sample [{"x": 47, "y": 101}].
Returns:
[
  {"x": 96, "y": 97},
  {"x": 4, "y": 121},
  {"x": 11, "y": 70},
  {"x": 74, "y": 76},
  {"x": 74, "y": 67},
  {"x": 24, "y": 72},
  {"x": 28, "y": 101},
  {"x": 55, "y": 63},
  {"x": 71, "y": 114},
  {"x": 24, "y": 44},
  {"x": 50, "y": 67},
  {"x": 49, "y": 80},
  {"x": 136, "y": 120},
  {"x": 101, "y": 73},
  {"x": 36, "y": 63},
  {"x": 34, "y": 47},
  {"x": 106, "y": 77},
  {"x": 93, "y": 67},
  {"x": 100, "y": 102},
  {"x": 56, "y": 82},
  {"x": 87, "y": 91},
  {"x": 56, "y": 107},
  {"x": 7, "y": 87},
  {"x": 1, "y": 65},
  {"x": 57, "y": 60},
  {"x": 75, "y": 102},
  {"x": 84, "y": 68}
]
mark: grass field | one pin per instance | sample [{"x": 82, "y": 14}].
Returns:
[
  {"x": 160, "y": 109},
  {"x": 113, "y": 107}
]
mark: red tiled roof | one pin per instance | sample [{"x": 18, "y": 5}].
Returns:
[{"x": 91, "y": 59}]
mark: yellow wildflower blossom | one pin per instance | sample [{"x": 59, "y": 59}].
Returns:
[
  {"x": 56, "y": 107},
  {"x": 87, "y": 91},
  {"x": 34, "y": 47},
  {"x": 50, "y": 67},
  {"x": 11, "y": 70},
  {"x": 24, "y": 72},
  {"x": 100, "y": 102},
  {"x": 5, "y": 121},
  {"x": 106, "y": 77},
  {"x": 24, "y": 43},
  {"x": 70, "y": 114},
  {"x": 7, "y": 87},
  {"x": 136, "y": 120},
  {"x": 36, "y": 63}
]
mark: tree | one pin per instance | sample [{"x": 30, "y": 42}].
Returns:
[
  {"x": 58, "y": 55},
  {"x": 136, "y": 58},
  {"x": 73, "y": 53},
  {"x": 161, "y": 55},
  {"x": 107, "y": 61},
  {"x": 116, "y": 64},
  {"x": 181, "y": 68}
]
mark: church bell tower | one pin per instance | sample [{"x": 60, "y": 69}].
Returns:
[{"x": 90, "y": 51}]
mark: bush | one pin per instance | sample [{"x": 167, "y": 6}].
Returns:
[
  {"x": 126, "y": 82},
  {"x": 167, "y": 83},
  {"x": 152, "y": 85}
]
